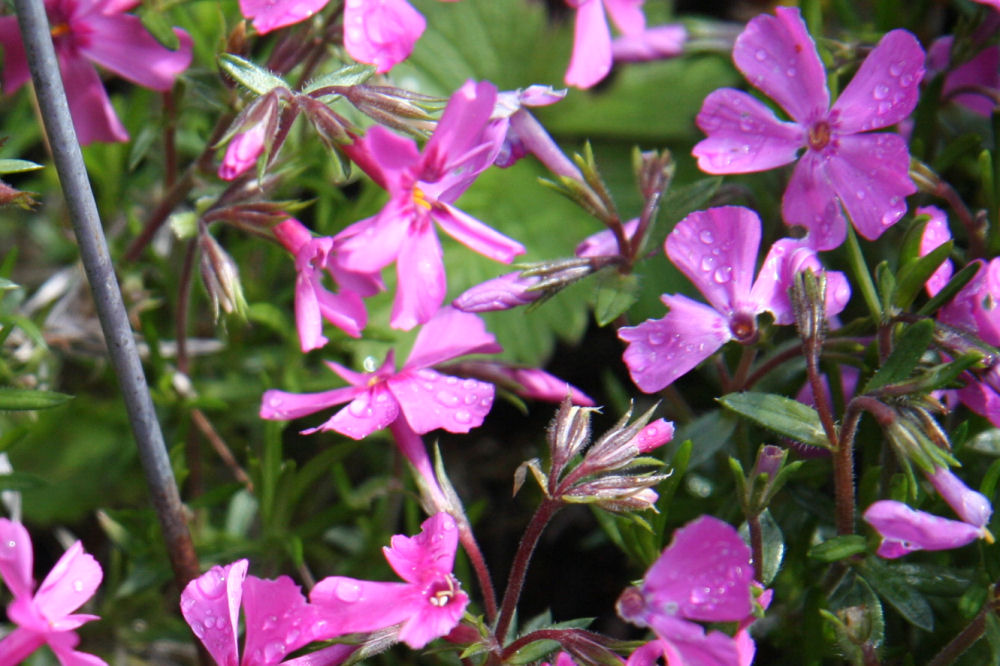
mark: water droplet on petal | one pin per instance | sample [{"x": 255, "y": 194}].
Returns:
[
  {"x": 723, "y": 274},
  {"x": 896, "y": 68},
  {"x": 78, "y": 586},
  {"x": 292, "y": 636},
  {"x": 463, "y": 416},
  {"x": 273, "y": 652},
  {"x": 212, "y": 584},
  {"x": 761, "y": 55},
  {"x": 447, "y": 398},
  {"x": 707, "y": 263},
  {"x": 790, "y": 72},
  {"x": 706, "y": 237},
  {"x": 348, "y": 591},
  {"x": 881, "y": 91}
]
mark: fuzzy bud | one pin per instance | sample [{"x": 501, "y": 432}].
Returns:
[{"x": 221, "y": 278}]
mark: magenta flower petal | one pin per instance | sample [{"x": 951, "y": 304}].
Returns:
[
  {"x": 432, "y": 551},
  {"x": 282, "y": 406},
  {"x": 810, "y": 201},
  {"x": 778, "y": 56},
  {"x": 604, "y": 243},
  {"x": 591, "y": 59},
  {"x": 371, "y": 410},
  {"x": 905, "y": 530},
  {"x": 449, "y": 334},
  {"x": 16, "y": 558},
  {"x": 469, "y": 108},
  {"x": 381, "y": 33},
  {"x": 784, "y": 260},
  {"x": 661, "y": 350},
  {"x": 662, "y": 41},
  {"x": 242, "y": 152},
  {"x": 421, "y": 283},
  {"x": 717, "y": 250},
  {"x": 94, "y": 118},
  {"x": 687, "y": 643},
  {"x": 62, "y": 646},
  {"x": 871, "y": 179},
  {"x": 971, "y": 506},
  {"x": 211, "y": 605},
  {"x": 936, "y": 233},
  {"x": 704, "y": 574},
  {"x": 72, "y": 581},
  {"x": 627, "y": 15},
  {"x": 743, "y": 135},
  {"x": 383, "y": 155},
  {"x": 270, "y": 15},
  {"x": 502, "y": 293},
  {"x": 120, "y": 43},
  {"x": 884, "y": 90},
  {"x": 374, "y": 243},
  {"x": 278, "y": 619},
  {"x": 475, "y": 235},
  {"x": 430, "y": 400}
]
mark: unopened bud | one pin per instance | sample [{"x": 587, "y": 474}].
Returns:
[
  {"x": 502, "y": 293},
  {"x": 221, "y": 278},
  {"x": 971, "y": 506},
  {"x": 568, "y": 433},
  {"x": 252, "y": 133},
  {"x": 331, "y": 126},
  {"x": 770, "y": 458}
]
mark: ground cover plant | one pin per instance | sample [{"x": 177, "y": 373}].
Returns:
[{"x": 499, "y": 332}]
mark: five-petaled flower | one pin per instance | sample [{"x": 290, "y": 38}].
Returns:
[
  {"x": 98, "y": 31},
  {"x": 47, "y": 615},
  {"x": 429, "y": 604},
  {"x": 865, "y": 175},
  {"x": 717, "y": 250},
  {"x": 422, "y": 187},
  {"x": 592, "y": 55},
  {"x": 424, "y": 398}
]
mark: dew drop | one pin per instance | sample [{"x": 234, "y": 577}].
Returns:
[
  {"x": 447, "y": 398},
  {"x": 790, "y": 72},
  {"x": 12, "y": 544},
  {"x": 860, "y": 194},
  {"x": 198, "y": 629},
  {"x": 273, "y": 652},
  {"x": 706, "y": 236},
  {"x": 348, "y": 591},
  {"x": 896, "y": 68},
  {"x": 212, "y": 585},
  {"x": 881, "y": 91},
  {"x": 670, "y": 608},
  {"x": 906, "y": 80},
  {"x": 761, "y": 55},
  {"x": 723, "y": 274},
  {"x": 292, "y": 636},
  {"x": 463, "y": 416}
]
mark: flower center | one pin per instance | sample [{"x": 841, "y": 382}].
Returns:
[
  {"x": 420, "y": 199},
  {"x": 442, "y": 592},
  {"x": 819, "y": 135},
  {"x": 743, "y": 326},
  {"x": 60, "y": 29}
]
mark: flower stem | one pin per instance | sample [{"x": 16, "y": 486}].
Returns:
[
  {"x": 107, "y": 295},
  {"x": 471, "y": 546},
  {"x": 756, "y": 545},
  {"x": 519, "y": 569}
]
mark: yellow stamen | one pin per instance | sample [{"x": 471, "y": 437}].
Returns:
[
  {"x": 60, "y": 29},
  {"x": 420, "y": 198},
  {"x": 988, "y": 536}
]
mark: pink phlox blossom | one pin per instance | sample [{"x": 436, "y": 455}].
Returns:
[
  {"x": 591, "y": 59},
  {"x": 45, "y": 615},
  {"x": 382, "y": 32},
  {"x": 422, "y": 187},
  {"x": 530, "y": 383},
  {"x": 971, "y": 506},
  {"x": 313, "y": 301},
  {"x": 980, "y": 71},
  {"x": 429, "y": 604},
  {"x": 242, "y": 152},
  {"x": 717, "y": 250},
  {"x": 268, "y": 15},
  {"x": 523, "y": 133},
  {"x": 936, "y": 233},
  {"x": 99, "y": 32},
  {"x": 604, "y": 243},
  {"x": 704, "y": 575},
  {"x": 424, "y": 398},
  {"x": 841, "y": 170},
  {"x": 905, "y": 530},
  {"x": 277, "y": 618},
  {"x": 657, "y": 43}
]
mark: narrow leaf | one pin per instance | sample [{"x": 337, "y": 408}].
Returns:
[
  {"x": 913, "y": 276},
  {"x": 784, "y": 416},
  {"x": 350, "y": 75},
  {"x": 23, "y": 399},
  {"x": 904, "y": 358},
  {"x": 955, "y": 284},
  {"x": 17, "y": 166},
  {"x": 255, "y": 78},
  {"x": 838, "y": 548}
]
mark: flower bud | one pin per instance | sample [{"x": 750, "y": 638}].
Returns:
[
  {"x": 969, "y": 505},
  {"x": 221, "y": 278},
  {"x": 255, "y": 128},
  {"x": 502, "y": 293}
]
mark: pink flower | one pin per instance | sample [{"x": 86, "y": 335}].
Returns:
[
  {"x": 278, "y": 620},
  {"x": 591, "y": 60},
  {"x": 422, "y": 187},
  {"x": 381, "y": 33},
  {"x": 663, "y": 41},
  {"x": 982, "y": 71},
  {"x": 313, "y": 301},
  {"x": 429, "y": 604},
  {"x": 705, "y": 575},
  {"x": 841, "y": 169},
  {"x": 971, "y": 506},
  {"x": 96, "y": 31},
  {"x": 905, "y": 530},
  {"x": 423, "y": 397},
  {"x": 530, "y": 383},
  {"x": 47, "y": 616},
  {"x": 270, "y": 15},
  {"x": 717, "y": 250},
  {"x": 936, "y": 233},
  {"x": 523, "y": 133}
]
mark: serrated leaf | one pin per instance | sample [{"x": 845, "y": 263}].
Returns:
[
  {"x": 784, "y": 416},
  {"x": 913, "y": 276},
  {"x": 12, "y": 399},
  {"x": 156, "y": 22},
  {"x": 616, "y": 293},
  {"x": 910, "y": 347},
  {"x": 349, "y": 75},
  {"x": 17, "y": 166},
  {"x": 838, "y": 548},
  {"x": 255, "y": 78},
  {"x": 894, "y": 589}
]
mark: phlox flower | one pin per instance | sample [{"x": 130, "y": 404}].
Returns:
[
  {"x": 842, "y": 169},
  {"x": 905, "y": 530},
  {"x": 662, "y": 41},
  {"x": 277, "y": 618},
  {"x": 96, "y": 31},
  {"x": 422, "y": 187},
  {"x": 313, "y": 301},
  {"x": 424, "y": 398},
  {"x": 268, "y": 15},
  {"x": 429, "y": 604},
  {"x": 717, "y": 250},
  {"x": 982, "y": 71},
  {"x": 703, "y": 575},
  {"x": 591, "y": 59},
  {"x": 45, "y": 617}
]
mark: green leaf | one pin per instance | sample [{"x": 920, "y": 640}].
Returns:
[
  {"x": 838, "y": 548},
  {"x": 894, "y": 589},
  {"x": 616, "y": 293},
  {"x": 678, "y": 203},
  {"x": 784, "y": 416},
  {"x": 155, "y": 20},
  {"x": 862, "y": 278},
  {"x": 773, "y": 542},
  {"x": 7, "y": 285},
  {"x": 350, "y": 75},
  {"x": 20, "y": 481},
  {"x": 17, "y": 166},
  {"x": 12, "y": 399},
  {"x": 255, "y": 78},
  {"x": 913, "y": 276},
  {"x": 904, "y": 358}
]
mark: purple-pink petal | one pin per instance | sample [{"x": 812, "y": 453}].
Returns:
[
  {"x": 475, "y": 235},
  {"x": 501, "y": 293},
  {"x": 371, "y": 410},
  {"x": 778, "y": 56},
  {"x": 276, "y": 615},
  {"x": 661, "y": 350},
  {"x": 350, "y": 605},
  {"x": 971, "y": 506},
  {"x": 421, "y": 282},
  {"x": 627, "y": 15},
  {"x": 459, "y": 131},
  {"x": 717, "y": 250},
  {"x": 688, "y": 644},
  {"x": 211, "y": 605},
  {"x": 662, "y": 41},
  {"x": 743, "y": 135},
  {"x": 16, "y": 558},
  {"x": 278, "y": 405},
  {"x": 905, "y": 530},
  {"x": 885, "y": 89},
  {"x": 811, "y": 202},
  {"x": 270, "y": 15},
  {"x": 71, "y": 582},
  {"x": 430, "y": 400},
  {"x": 94, "y": 118},
  {"x": 591, "y": 59},
  {"x": 426, "y": 555},
  {"x": 936, "y": 233},
  {"x": 450, "y": 334},
  {"x": 120, "y": 43},
  {"x": 784, "y": 260},
  {"x": 381, "y": 33}
]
